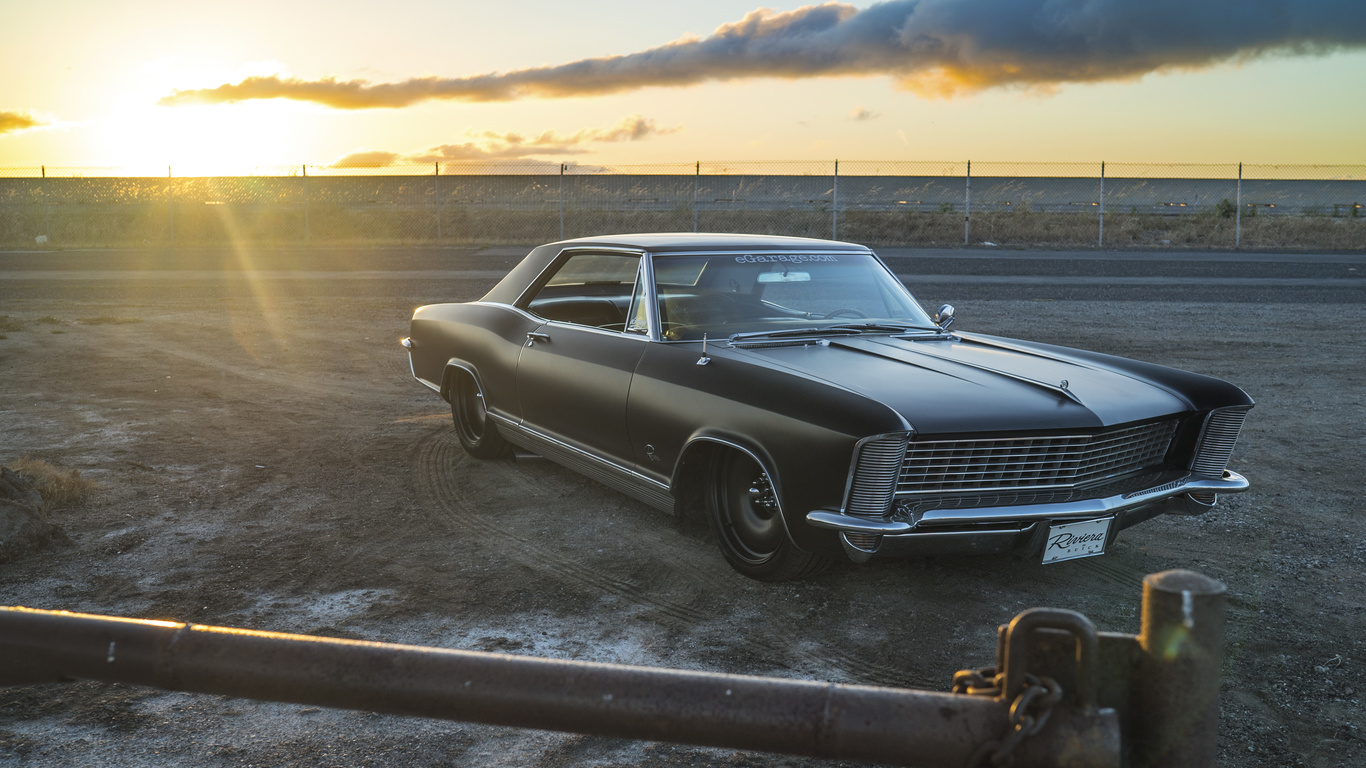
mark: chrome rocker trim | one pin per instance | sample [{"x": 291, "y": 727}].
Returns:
[
  {"x": 1231, "y": 482},
  {"x": 644, "y": 489}
]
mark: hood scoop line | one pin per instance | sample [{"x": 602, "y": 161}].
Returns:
[
  {"x": 1057, "y": 389},
  {"x": 853, "y": 347}
]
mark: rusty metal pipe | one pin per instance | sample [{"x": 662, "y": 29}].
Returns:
[{"x": 903, "y": 727}]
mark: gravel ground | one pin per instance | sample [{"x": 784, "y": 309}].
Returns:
[{"x": 265, "y": 460}]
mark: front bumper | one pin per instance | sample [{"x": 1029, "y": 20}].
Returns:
[{"x": 1016, "y": 527}]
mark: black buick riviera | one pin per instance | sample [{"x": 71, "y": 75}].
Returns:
[{"x": 794, "y": 393}]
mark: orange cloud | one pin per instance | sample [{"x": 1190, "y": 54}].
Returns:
[
  {"x": 16, "y": 121},
  {"x": 491, "y": 145},
  {"x": 934, "y": 47}
]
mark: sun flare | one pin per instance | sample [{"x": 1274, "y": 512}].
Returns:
[{"x": 228, "y": 139}]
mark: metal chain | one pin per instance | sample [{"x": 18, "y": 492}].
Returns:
[{"x": 1028, "y": 713}]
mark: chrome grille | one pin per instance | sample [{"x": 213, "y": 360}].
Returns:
[
  {"x": 875, "y": 476},
  {"x": 1019, "y": 463},
  {"x": 1217, "y": 440}
]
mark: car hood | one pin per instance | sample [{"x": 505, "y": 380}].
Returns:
[{"x": 967, "y": 384}]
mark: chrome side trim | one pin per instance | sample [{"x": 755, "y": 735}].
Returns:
[
  {"x": 510, "y": 307},
  {"x": 408, "y": 344},
  {"x": 630, "y": 482},
  {"x": 1231, "y": 482},
  {"x": 575, "y": 326},
  {"x": 856, "y": 250}
]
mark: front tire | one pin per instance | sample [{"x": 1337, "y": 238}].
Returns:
[
  {"x": 744, "y": 514},
  {"x": 477, "y": 432}
]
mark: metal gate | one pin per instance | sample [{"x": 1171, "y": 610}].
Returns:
[{"x": 1062, "y": 694}]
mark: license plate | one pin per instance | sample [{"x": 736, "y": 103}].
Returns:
[{"x": 1068, "y": 541}]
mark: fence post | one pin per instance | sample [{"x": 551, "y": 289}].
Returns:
[
  {"x": 307, "y": 234},
  {"x": 1176, "y": 712},
  {"x": 967, "y": 206},
  {"x": 436, "y": 193},
  {"x": 1101, "y": 243},
  {"x": 835, "y": 205},
  {"x": 697, "y": 177},
  {"x": 47, "y": 205},
  {"x": 1238, "y": 212},
  {"x": 561, "y": 201}
]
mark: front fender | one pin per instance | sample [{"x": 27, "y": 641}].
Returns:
[{"x": 801, "y": 429}]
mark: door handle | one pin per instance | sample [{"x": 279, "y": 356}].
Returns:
[{"x": 533, "y": 337}]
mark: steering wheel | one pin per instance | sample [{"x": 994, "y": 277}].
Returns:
[{"x": 843, "y": 311}]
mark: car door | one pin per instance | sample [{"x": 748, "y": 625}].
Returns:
[{"x": 574, "y": 372}]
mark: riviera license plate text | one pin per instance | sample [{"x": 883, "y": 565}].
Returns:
[{"x": 1068, "y": 541}]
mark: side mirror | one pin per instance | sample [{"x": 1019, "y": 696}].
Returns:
[{"x": 944, "y": 317}]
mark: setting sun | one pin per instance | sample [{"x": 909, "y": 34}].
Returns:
[{"x": 204, "y": 140}]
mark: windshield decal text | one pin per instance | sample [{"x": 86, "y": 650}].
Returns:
[{"x": 785, "y": 258}]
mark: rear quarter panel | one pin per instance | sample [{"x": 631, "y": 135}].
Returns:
[{"x": 485, "y": 337}]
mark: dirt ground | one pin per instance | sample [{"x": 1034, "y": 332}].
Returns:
[{"x": 265, "y": 460}]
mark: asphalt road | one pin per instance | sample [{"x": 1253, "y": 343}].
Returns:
[{"x": 959, "y": 276}]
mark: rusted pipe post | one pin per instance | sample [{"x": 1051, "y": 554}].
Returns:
[
  {"x": 897, "y": 726},
  {"x": 1176, "y": 717}
]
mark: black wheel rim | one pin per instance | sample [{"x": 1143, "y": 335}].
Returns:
[
  {"x": 472, "y": 414},
  {"x": 747, "y": 509}
]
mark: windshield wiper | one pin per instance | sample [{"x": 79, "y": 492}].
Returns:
[
  {"x": 892, "y": 327},
  {"x": 843, "y": 329},
  {"x": 784, "y": 332}
]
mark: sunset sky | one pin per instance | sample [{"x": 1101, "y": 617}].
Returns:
[{"x": 250, "y": 85}]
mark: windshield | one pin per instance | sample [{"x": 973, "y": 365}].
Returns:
[{"x": 725, "y": 294}]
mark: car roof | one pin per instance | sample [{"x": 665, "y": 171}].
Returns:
[
  {"x": 515, "y": 282},
  {"x": 705, "y": 241}
]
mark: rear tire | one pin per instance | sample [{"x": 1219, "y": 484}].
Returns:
[
  {"x": 743, "y": 511},
  {"x": 477, "y": 432}
]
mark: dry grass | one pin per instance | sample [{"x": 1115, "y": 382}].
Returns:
[
  {"x": 9, "y": 324},
  {"x": 57, "y": 487}
]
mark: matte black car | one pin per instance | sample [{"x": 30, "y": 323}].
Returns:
[{"x": 794, "y": 393}]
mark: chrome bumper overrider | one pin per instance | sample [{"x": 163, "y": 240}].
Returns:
[{"x": 1170, "y": 493}]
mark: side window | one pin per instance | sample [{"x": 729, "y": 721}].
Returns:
[
  {"x": 592, "y": 289},
  {"x": 637, "y": 321}
]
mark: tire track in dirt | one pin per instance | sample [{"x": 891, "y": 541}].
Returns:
[
  {"x": 268, "y": 374},
  {"x": 440, "y": 460}
]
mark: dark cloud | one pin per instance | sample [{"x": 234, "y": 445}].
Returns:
[
  {"x": 935, "y": 47},
  {"x": 491, "y": 145},
  {"x": 16, "y": 121}
]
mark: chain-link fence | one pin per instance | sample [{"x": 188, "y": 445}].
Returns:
[{"x": 1118, "y": 205}]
